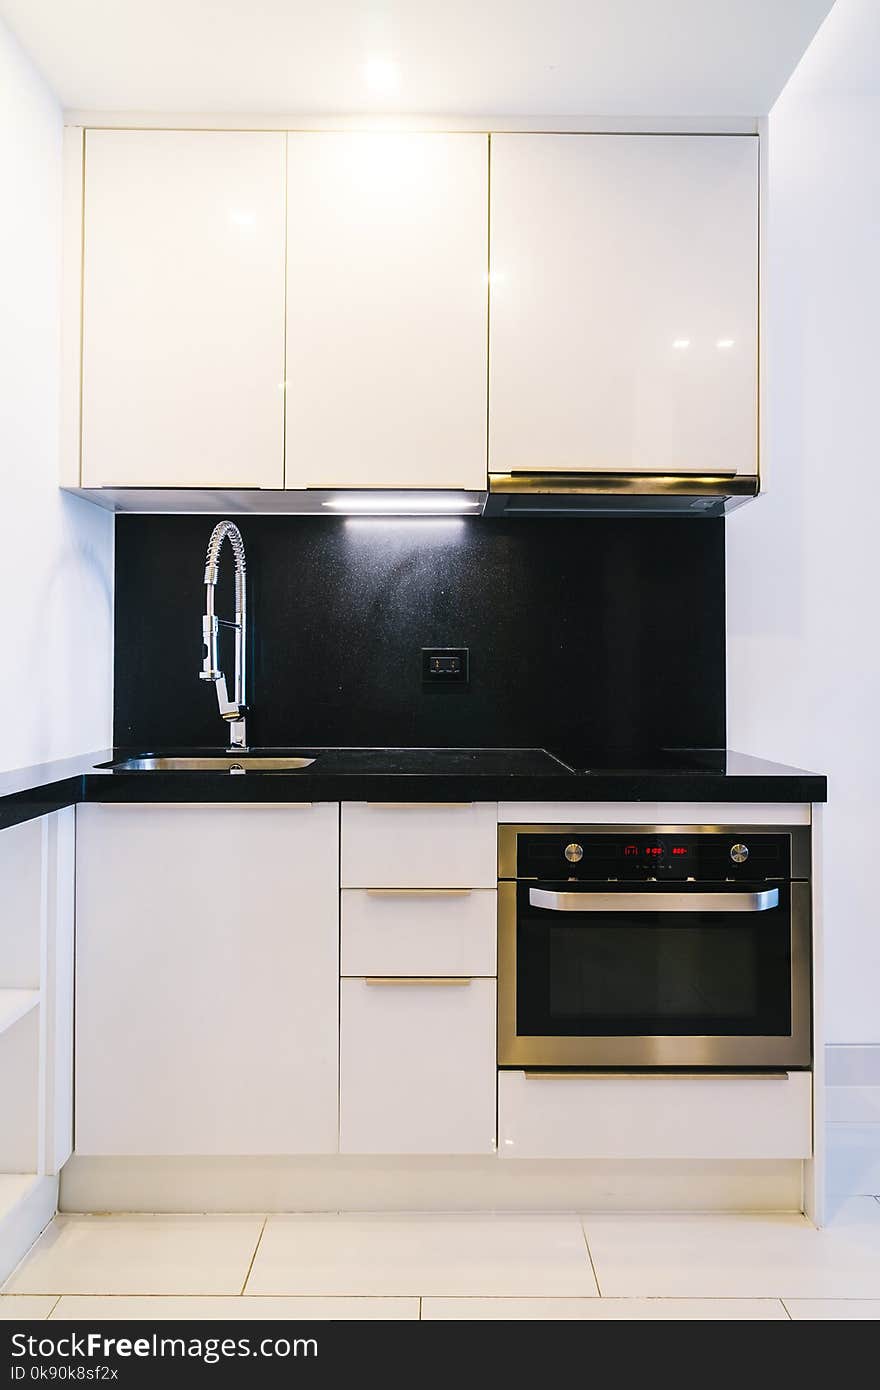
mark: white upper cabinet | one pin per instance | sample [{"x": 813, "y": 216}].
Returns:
[
  {"x": 183, "y": 309},
  {"x": 387, "y": 259},
  {"x": 624, "y": 303}
]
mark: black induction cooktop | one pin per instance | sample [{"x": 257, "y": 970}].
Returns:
[
  {"x": 586, "y": 759},
  {"x": 525, "y": 762},
  {"x": 486, "y": 762}
]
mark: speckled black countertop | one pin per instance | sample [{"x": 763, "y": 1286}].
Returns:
[{"x": 414, "y": 774}]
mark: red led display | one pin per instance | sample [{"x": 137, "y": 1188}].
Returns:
[
  {"x": 654, "y": 849},
  {"x": 630, "y": 849},
  {"x": 679, "y": 849}
]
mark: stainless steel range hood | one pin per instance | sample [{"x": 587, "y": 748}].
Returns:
[{"x": 617, "y": 494}]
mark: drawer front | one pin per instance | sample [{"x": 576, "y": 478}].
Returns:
[
  {"x": 418, "y": 931},
  {"x": 444, "y": 845},
  {"x": 417, "y": 1067},
  {"x": 732, "y": 1117}
]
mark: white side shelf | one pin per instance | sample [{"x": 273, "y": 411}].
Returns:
[
  {"x": 14, "y": 1186},
  {"x": 27, "y": 1205},
  {"x": 14, "y": 1004}
]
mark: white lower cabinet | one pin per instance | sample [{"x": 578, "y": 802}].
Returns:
[
  {"x": 417, "y": 1066},
  {"x": 207, "y": 979},
  {"x": 563, "y": 1115}
]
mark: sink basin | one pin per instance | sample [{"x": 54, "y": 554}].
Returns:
[{"x": 230, "y": 763}]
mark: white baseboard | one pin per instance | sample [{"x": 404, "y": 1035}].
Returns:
[{"x": 422, "y": 1184}]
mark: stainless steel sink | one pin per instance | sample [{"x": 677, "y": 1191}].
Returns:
[{"x": 230, "y": 764}]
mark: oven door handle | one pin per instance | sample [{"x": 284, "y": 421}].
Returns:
[{"x": 761, "y": 901}]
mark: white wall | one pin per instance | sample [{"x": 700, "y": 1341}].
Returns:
[
  {"x": 804, "y": 562},
  {"x": 55, "y": 551}
]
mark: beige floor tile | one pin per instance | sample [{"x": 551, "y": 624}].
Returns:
[
  {"x": 422, "y": 1255},
  {"x": 140, "y": 1255},
  {"x": 78, "y": 1309},
  {"x": 25, "y": 1306},
  {"x": 766, "y": 1256},
  {"x": 601, "y": 1309},
  {"x": 842, "y": 1309}
]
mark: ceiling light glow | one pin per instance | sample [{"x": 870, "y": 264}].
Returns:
[
  {"x": 681, "y": 343},
  {"x": 724, "y": 343}
]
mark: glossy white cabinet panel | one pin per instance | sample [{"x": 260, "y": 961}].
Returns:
[
  {"x": 442, "y": 845},
  {"x": 56, "y": 1013},
  {"x": 183, "y": 309},
  {"x": 733, "y": 1117},
  {"x": 207, "y": 979},
  {"x": 20, "y": 1124},
  {"x": 23, "y": 879},
  {"x": 36, "y": 994},
  {"x": 624, "y": 303},
  {"x": 387, "y": 261},
  {"x": 418, "y": 931},
  {"x": 417, "y": 1067}
]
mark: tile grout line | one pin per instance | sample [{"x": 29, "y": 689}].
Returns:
[
  {"x": 254, "y": 1256},
  {"x": 590, "y": 1258},
  {"x": 787, "y": 1312},
  {"x": 420, "y": 1309},
  {"x": 54, "y": 1306}
]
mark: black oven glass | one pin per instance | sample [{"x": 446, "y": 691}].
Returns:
[{"x": 600, "y": 973}]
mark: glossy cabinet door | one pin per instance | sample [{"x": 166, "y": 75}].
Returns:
[
  {"x": 395, "y": 845},
  {"x": 566, "y": 1115},
  {"x": 419, "y": 931},
  {"x": 207, "y": 979},
  {"x": 183, "y": 309},
  {"x": 417, "y": 1066},
  {"x": 387, "y": 259},
  {"x": 624, "y": 303}
]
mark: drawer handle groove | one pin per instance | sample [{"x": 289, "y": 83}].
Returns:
[
  {"x": 419, "y": 892},
  {"x": 418, "y": 979},
  {"x": 418, "y": 805}
]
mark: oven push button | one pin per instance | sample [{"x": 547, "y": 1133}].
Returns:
[
  {"x": 739, "y": 853},
  {"x": 574, "y": 853}
]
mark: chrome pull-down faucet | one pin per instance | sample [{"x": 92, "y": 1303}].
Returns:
[{"x": 234, "y": 710}]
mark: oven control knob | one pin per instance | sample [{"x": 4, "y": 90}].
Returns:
[
  {"x": 739, "y": 853},
  {"x": 574, "y": 853}
]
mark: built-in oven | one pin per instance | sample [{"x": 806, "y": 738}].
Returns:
[{"x": 654, "y": 946}]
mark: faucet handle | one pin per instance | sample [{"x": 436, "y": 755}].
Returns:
[{"x": 210, "y": 659}]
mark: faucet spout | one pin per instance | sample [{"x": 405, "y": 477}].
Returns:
[{"x": 232, "y": 711}]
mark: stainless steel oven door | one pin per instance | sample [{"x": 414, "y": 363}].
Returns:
[{"x": 654, "y": 975}]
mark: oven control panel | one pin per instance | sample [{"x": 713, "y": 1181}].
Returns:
[{"x": 621, "y": 856}]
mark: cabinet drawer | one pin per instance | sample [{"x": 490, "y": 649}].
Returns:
[
  {"x": 444, "y": 845},
  {"x": 418, "y": 931},
  {"x": 569, "y": 1116},
  {"x": 417, "y": 1067}
]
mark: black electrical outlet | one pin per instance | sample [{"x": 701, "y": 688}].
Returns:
[{"x": 445, "y": 665}]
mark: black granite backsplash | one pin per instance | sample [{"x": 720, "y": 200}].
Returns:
[{"x": 602, "y": 640}]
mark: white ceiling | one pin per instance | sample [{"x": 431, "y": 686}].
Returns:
[{"x": 441, "y": 57}]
